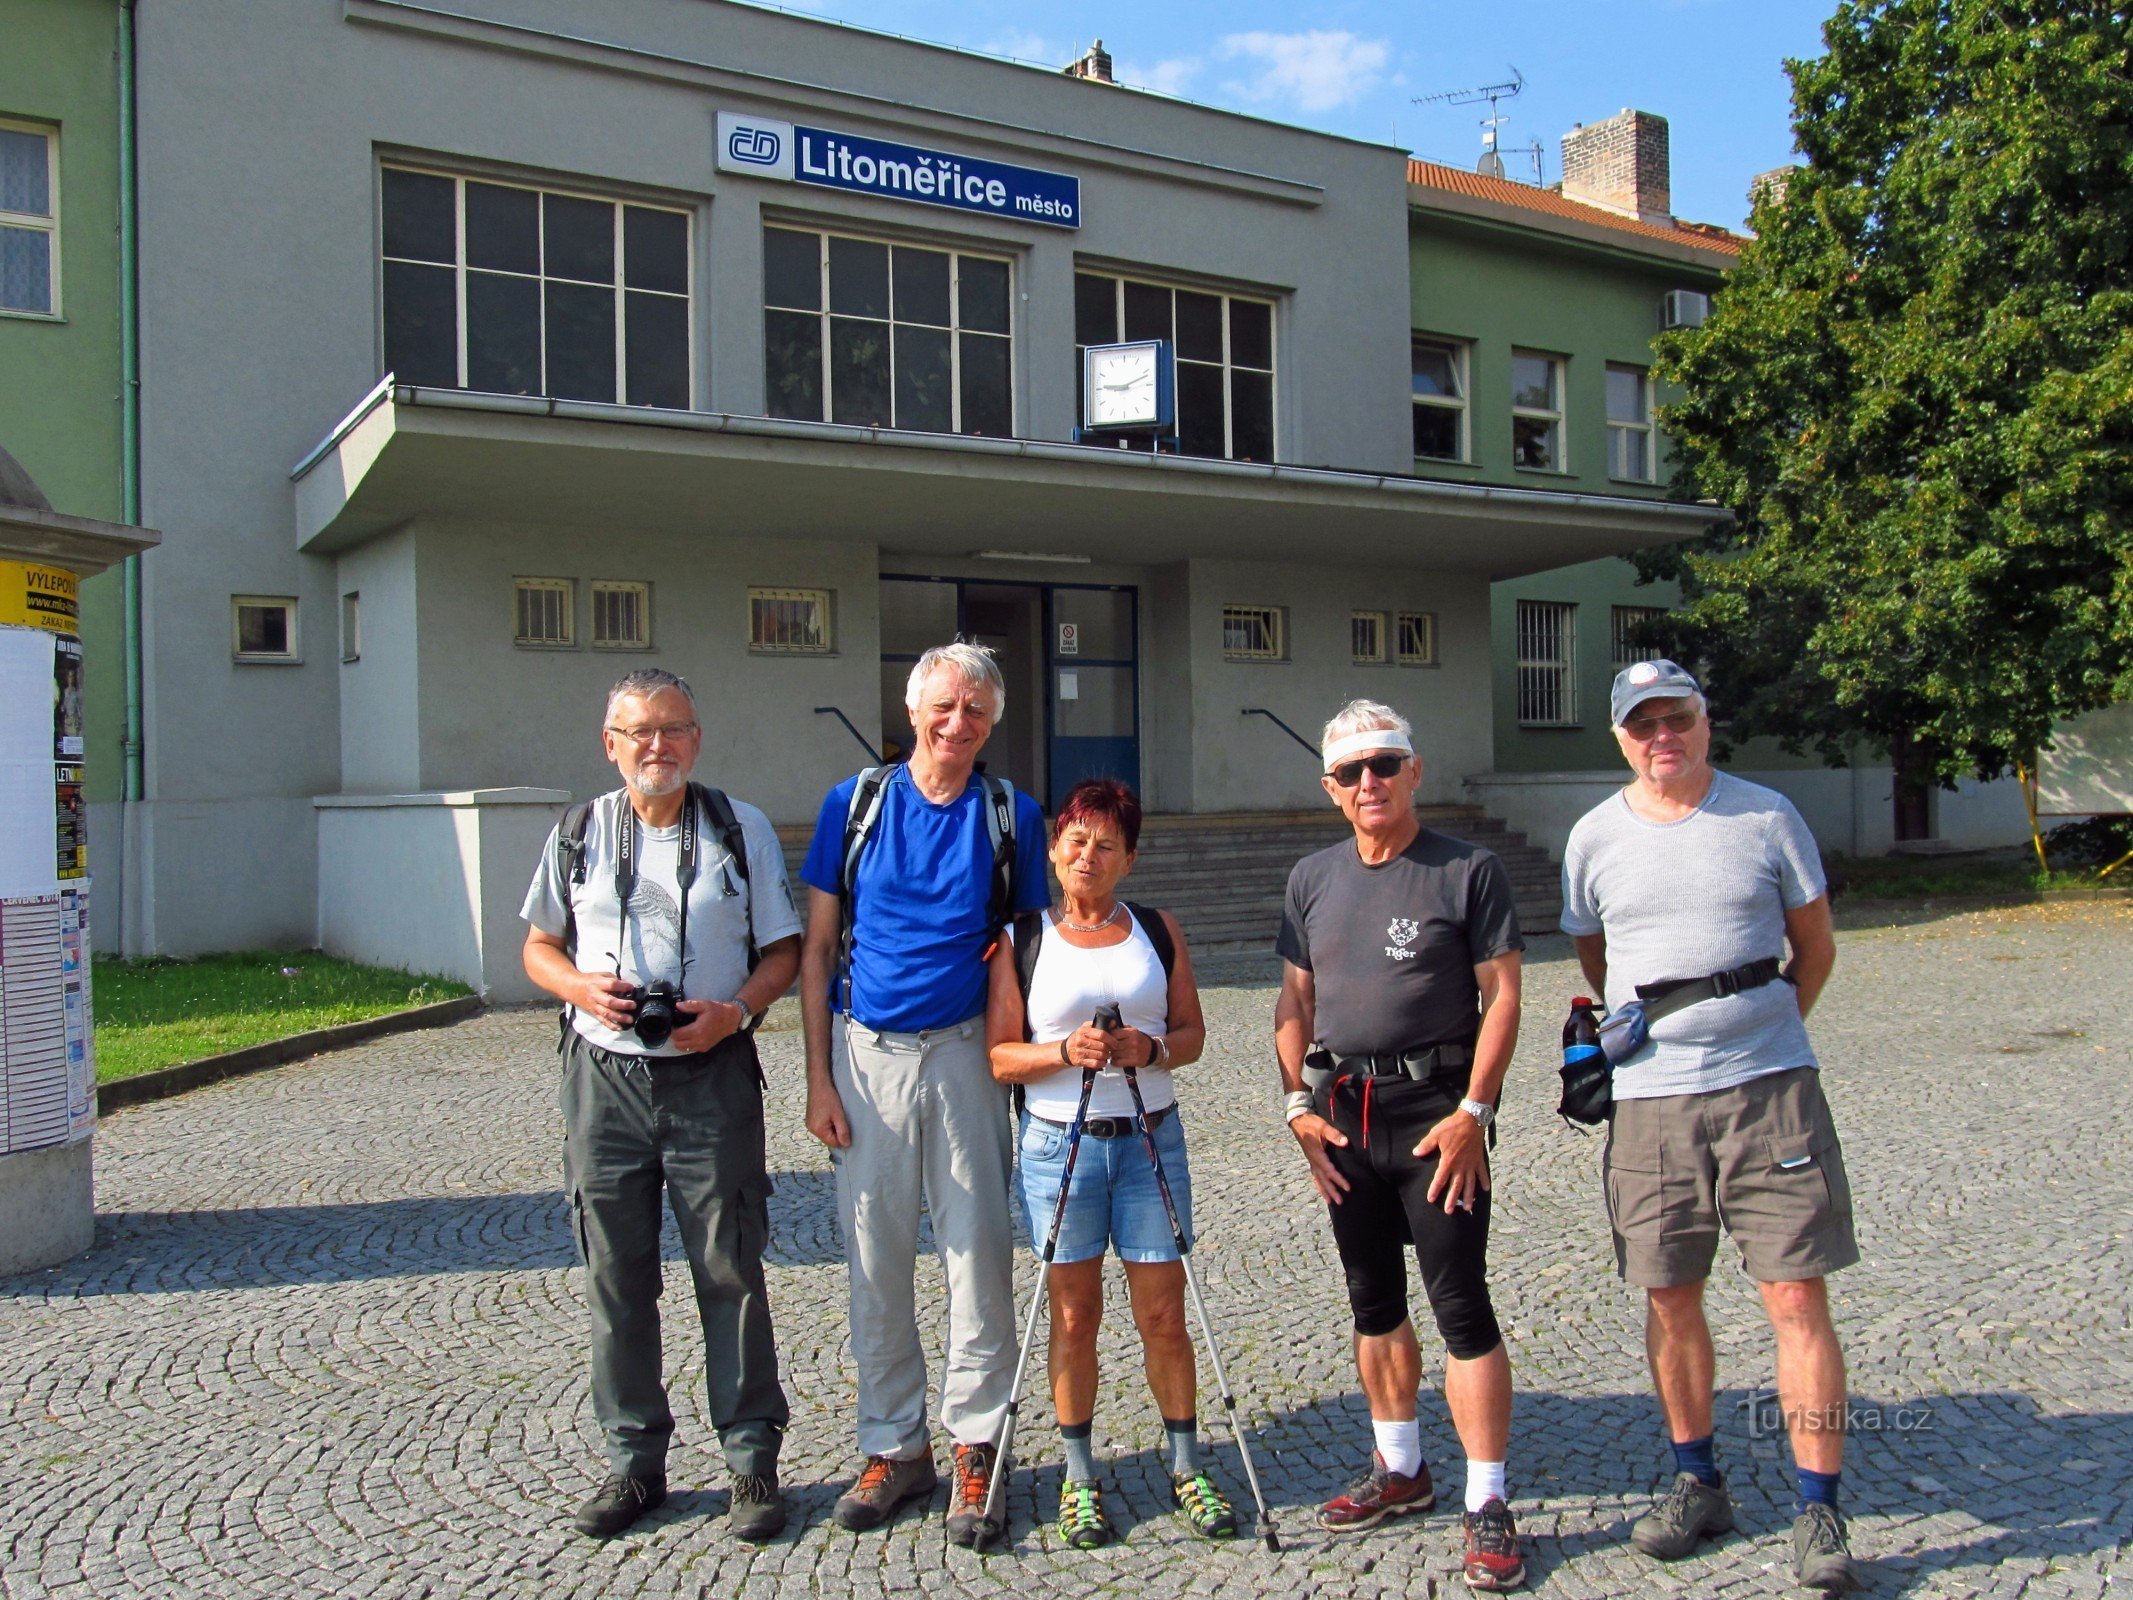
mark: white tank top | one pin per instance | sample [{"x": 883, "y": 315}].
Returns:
[{"x": 1064, "y": 992}]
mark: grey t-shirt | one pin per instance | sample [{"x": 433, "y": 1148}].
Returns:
[
  {"x": 648, "y": 940},
  {"x": 1392, "y": 948},
  {"x": 1685, "y": 899}
]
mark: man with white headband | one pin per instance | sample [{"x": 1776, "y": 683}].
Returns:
[{"x": 1398, "y": 1015}]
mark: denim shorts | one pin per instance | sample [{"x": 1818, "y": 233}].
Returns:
[{"x": 1114, "y": 1201}]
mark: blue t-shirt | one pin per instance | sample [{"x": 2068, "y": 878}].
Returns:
[{"x": 920, "y": 926}]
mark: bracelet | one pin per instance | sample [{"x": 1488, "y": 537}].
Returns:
[
  {"x": 1161, "y": 1048},
  {"x": 1299, "y": 1103},
  {"x": 1064, "y": 1059}
]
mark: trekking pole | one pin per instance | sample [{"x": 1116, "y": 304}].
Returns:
[
  {"x": 1036, "y": 1301},
  {"x": 1199, "y": 1306}
]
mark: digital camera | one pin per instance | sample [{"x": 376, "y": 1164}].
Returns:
[{"x": 656, "y": 1014}]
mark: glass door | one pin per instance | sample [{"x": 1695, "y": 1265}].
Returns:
[{"x": 1092, "y": 654}]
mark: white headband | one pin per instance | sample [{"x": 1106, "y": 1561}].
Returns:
[{"x": 1368, "y": 739}]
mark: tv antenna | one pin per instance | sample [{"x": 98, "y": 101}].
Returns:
[{"x": 1491, "y": 163}]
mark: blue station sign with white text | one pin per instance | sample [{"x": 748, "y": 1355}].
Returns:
[{"x": 760, "y": 148}]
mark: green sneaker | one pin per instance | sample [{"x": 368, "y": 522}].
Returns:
[
  {"x": 1082, "y": 1523},
  {"x": 1205, "y": 1511}
]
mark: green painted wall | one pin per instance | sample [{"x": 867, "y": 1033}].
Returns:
[
  {"x": 59, "y": 379},
  {"x": 1501, "y": 289}
]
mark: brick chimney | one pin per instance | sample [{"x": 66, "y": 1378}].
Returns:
[
  {"x": 1621, "y": 165},
  {"x": 1095, "y": 65}
]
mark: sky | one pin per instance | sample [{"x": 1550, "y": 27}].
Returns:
[{"x": 1713, "y": 68}]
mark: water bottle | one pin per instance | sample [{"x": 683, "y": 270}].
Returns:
[
  {"x": 1588, "y": 1082},
  {"x": 1581, "y": 1034}
]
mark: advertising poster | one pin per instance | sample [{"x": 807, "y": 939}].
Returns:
[
  {"x": 68, "y": 743},
  {"x": 81, "y": 1050},
  {"x": 73, "y": 810},
  {"x": 39, "y": 597}
]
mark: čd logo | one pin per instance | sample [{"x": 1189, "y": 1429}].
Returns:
[{"x": 758, "y": 147}]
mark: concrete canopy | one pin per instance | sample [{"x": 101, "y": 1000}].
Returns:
[
  {"x": 30, "y": 530},
  {"x": 408, "y": 452}
]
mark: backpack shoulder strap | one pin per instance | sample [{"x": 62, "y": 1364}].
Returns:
[
  {"x": 1000, "y": 828},
  {"x": 1029, "y": 934},
  {"x": 726, "y": 823},
  {"x": 1158, "y": 931},
  {"x": 570, "y": 864},
  {"x": 859, "y": 819}
]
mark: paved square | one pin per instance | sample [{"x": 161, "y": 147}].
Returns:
[{"x": 330, "y": 1340}]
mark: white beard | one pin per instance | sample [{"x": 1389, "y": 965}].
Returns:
[{"x": 652, "y": 788}]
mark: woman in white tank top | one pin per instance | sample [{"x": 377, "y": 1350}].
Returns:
[{"x": 1094, "y": 952}]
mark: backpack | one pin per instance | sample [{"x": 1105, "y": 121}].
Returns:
[
  {"x": 859, "y": 820},
  {"x": 1029, "y": 934},
  {"x": 717, "y": 809}
]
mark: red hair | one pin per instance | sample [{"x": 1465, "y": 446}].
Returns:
[{"x": 1099, "y": 800}]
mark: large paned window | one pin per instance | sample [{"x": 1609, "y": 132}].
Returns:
[
  {"x": 1439, "y": 369},
  {"x": 1547, "y": 663},
  {"x": 1629, "y": 424},
  {"x": 886, "y": 335},
  {"x": 515, "y": 290},
  {"x": 1225, "y": 357},
  {"x": 1536, "y": 412},
  {"x": 29, "y": 219}
]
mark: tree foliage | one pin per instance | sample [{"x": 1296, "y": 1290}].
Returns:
[{"x": 1915, "y": 394}]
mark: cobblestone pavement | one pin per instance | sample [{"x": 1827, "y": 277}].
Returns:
[{"x": 330, "y": 1340}]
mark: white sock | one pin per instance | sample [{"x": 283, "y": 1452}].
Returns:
[
  {"x": 1400, "y": 1443},
  {"x": 1484, "y": 1482}
]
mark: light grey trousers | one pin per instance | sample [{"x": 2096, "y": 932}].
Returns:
[{"x": 927, "y": 1121}]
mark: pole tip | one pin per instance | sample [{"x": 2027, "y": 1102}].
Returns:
[{"x": 1273, "y": 1541}]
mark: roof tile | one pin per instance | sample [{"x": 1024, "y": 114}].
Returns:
[{"x": 1432, "y": 175}]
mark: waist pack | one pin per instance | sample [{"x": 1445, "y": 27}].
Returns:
[{"x": 1589, "y": 1078}]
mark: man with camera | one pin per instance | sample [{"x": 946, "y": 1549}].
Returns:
[
  {"x": 661, "y": 918},
  {"x": 1396, "y": 1021},
  {"x": 1680, "y": 893}
]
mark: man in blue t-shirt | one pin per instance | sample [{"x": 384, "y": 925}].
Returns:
[{"x": 901, "y": 1090}]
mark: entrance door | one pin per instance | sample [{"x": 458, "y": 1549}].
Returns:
[
  {"x": 1094, "y": 683},
  {"x": 1008, "y": 619}
]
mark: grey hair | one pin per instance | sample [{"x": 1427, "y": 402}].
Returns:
[
  {"x": 648, "y": 681},
  {"x": 971, "y": 662},
  {"x": 1361, "y": 716}
]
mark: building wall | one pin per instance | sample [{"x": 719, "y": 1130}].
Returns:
[
  {"x": 59, "y": 405},
  {"x": 261, "y": 285}
]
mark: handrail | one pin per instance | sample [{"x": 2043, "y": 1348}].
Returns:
[
  {"x": 1310, "y": 749},
  {"x": 831, "y": 711}
]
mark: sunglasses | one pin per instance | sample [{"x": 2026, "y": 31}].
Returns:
[
  {"x": 1645, "y": 729},
  {"x": 1350, "y": 773}
]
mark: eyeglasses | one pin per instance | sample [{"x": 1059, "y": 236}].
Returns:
[
  {"x": 1350, "y": 773},
  {"x": 1645, "y": 729},
  {"x": 672, "y": 732}
]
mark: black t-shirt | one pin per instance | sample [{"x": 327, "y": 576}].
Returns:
[{"x": 1392, "y": 948}]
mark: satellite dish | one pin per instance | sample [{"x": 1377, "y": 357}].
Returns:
[{"x": 1490, "y": 165}]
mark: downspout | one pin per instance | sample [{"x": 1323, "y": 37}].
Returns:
[{"x": 133, "y": 878}]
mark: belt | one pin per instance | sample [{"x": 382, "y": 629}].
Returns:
[
  {"x": 1111, "y": 1127},
  {"x": 1417, "y": 1064}
]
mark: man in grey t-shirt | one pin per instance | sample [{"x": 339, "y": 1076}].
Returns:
[
  {"x": 1688, "y": 874},
  {"x": 653, "y": 893}
]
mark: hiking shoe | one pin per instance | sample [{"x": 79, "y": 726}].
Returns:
[
  {"x": 1082, "y": 1523},
  {"x": 1203, "y": 1506},
  {"x": 884, "y": 1483},
  {"x": 1493, "y": 1561},
  {"x": 1377, "y": 1495},
  {"x": 967, "y": 1522},
  {"x": 1689, "y": 1510},
  {"x": 758, "y": 1510},
  {"x": 1821, "y": 1559},
  {"x": 619, "y": 1501}
]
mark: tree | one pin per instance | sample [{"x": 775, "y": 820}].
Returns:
[{"x": 1915, "y": 395}]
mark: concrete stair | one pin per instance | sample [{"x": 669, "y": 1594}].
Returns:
[{"x": 1223, "y": 875}]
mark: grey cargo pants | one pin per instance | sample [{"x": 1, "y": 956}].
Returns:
[{"x": 692, "y": 1126}]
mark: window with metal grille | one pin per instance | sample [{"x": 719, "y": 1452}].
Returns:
[
  {"x": 1629, "y": 424},
  {"x": 1254, "y": 633},
  {"x": 546, "y": 610},
  {"x": 1439, "y": 375},
  {"x": 263, "y": 628},
  {"x": 509, "y": 289},
  {"x": 1547, "y": 661},
  {"x": 886, "y": 335},
  {"x": 1224, "y": 345},
  {"x": 789, "y": 622},
  {"x": 1625, "y": 622},
  {"x": 1536, "y": 412},
  {"x": 1417, "y": 639},
  {"x": 621, "y": 615},
  {"x": 29, "y": 220},
  {"x": 1366, "y": 633}
]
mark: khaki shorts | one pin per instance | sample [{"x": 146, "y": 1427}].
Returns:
[{"x": 1761, "y": 1158}]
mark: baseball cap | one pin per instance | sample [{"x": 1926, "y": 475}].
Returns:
[{"x": 1647, "y": 680}]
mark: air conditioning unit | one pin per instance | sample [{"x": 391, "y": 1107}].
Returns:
[{"x": 1684, "y": 308}]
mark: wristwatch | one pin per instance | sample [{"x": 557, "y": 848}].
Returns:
[{"x": 1480, "y": 1110}]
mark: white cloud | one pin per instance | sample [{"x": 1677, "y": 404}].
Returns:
[
  {"x": 1317, "y": 71},
  {"x": 1172, "y": 76}
]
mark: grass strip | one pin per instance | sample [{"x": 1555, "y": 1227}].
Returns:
[{"x": 159, "y": 1012}]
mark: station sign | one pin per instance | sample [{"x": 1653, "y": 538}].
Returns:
[{"x": 759, "y": 147}]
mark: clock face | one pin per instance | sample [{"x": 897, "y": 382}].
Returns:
[{"x": 1122, "y": 386}]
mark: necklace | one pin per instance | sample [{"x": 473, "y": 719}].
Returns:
[{"x": 1093, "y": 927}]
